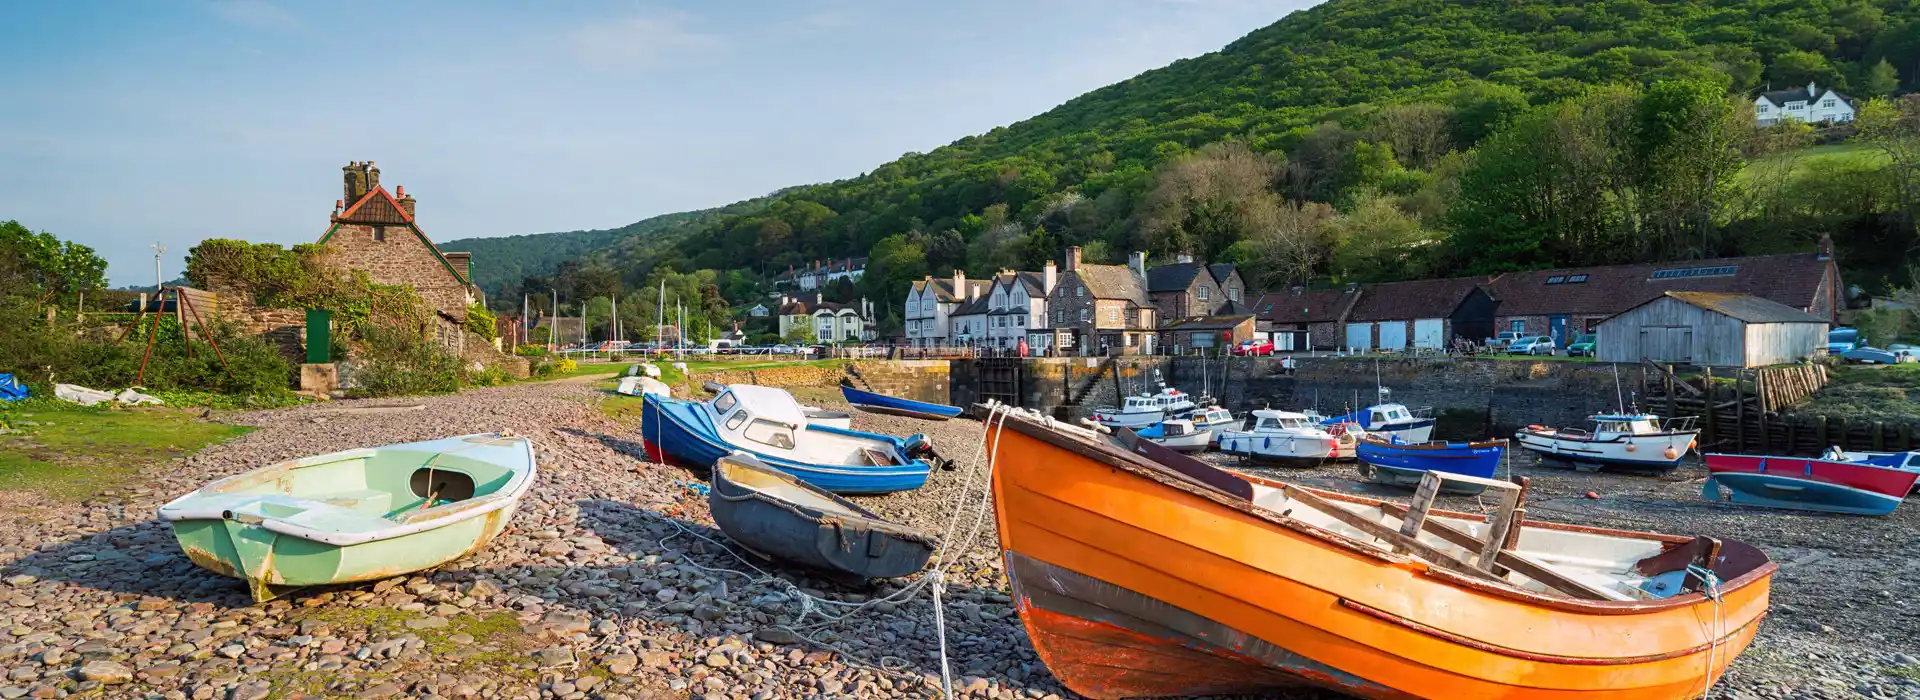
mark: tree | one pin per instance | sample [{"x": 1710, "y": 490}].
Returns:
[
  {"x": 1892, "y": 127},
  {"x": 1288, "y": 252},
  {"x": 1378, "y": 242},
  {"x": 1881, "y": 80},
  {"x": 1483, "y": 109},
  {"x": 1419, "y": 133},
  {"x": 54, "y": 270},
  {"x": 801, "y": 333},
  {"x": 1686, "y": 140},
  {"x": 1203, "y": 202},
  {"x": 1795, "y": 68}
]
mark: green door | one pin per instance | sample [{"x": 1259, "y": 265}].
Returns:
[{"x": 319, "y": 336}]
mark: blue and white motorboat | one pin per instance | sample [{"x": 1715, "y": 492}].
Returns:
[
  {"x": 768, "y": 424},
  {"x": 1212, "y": 420},
  {"x": 1283, "y": 438},
  {"x": 1390, "y": 421},
  {"x": 882, "y": 403},
  {"x": 1400, "y": 464},
  {"x": 1177, "y": 434}
]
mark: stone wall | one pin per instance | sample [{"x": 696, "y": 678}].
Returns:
[
  {"x": 920, "y": 380},
  {"x": 783, "y": 377},
  {"x": 480, "y": 350}
]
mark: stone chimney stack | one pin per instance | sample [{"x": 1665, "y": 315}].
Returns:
[
  {"x": 1826, "y": 246},
  {"x": 1185, "y": 256},
  {"x": 406, "y": 200},
  {"x": 1137, "y": 260},
  {"x": 1047, "y": 276},
  {"x": 373, "y": 177},
  {"x": 360, "y": 178},
  {"x": 1073, "y": 258}
]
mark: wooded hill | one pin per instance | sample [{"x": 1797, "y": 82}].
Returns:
[{"x": 1386, "y": 139}]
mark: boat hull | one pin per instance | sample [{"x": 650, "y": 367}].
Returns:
[
  {"x": 1648, "y": 453},
  {"x": 1132, "y": 587},
  {"x": 1406, "y": 465},
  {"x": 1807, "y": 484},
  {"x": 893, "y": 405},
  {"x": 1122, "y": 419},
  {"x": 1282, "y": 451},
  {"x": 675, "y": 429},
  {"x": 776, "y": 528}
]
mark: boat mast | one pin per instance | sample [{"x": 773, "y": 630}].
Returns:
[{"x": 1619, "y": 398}]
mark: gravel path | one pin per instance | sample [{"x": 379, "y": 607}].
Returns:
[{"x": 608, "y": 584}]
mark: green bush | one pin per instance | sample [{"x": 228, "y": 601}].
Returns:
[
  {"x": 481, "y": 322},
  {"x": 110, "y": 357},
  {"x": 531, "y": 351},
  {"x": 396, "y": 362}
]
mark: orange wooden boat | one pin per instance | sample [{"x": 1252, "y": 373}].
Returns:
[{"x": 1142, "y": 576}]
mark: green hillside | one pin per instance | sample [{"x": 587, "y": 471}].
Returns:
[{"x": 1375, "y": 139}]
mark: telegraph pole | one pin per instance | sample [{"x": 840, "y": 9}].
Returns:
[{"x": 159, "y": 249}]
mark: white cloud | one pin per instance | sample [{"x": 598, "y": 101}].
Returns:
[
  {"x": 643, "y": 42},
  {"x": 258, "y": 14}
]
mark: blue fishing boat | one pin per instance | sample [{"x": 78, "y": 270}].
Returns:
[
  {"x": 1403, "y": 464},
  {"x": 882, "y": 403},
  {"x": 769, "y": 425},
  {"x": 1390, "y": 420}
]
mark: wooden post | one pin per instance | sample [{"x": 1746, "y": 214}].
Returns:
[
  {"x": 1793, "y": 435},
  {"x": 1739, "y": 415},
  {"x": 1673, "y": 404},
  {"x": 1906, "y": 437},
  {"x": 1766, "y": 433},
  {"x": 1839, "y": 434},
  {"x": 1820, "y": 433},
  {"x": 1879, "y": 436},
  {"x": 1709, "y": 433}
]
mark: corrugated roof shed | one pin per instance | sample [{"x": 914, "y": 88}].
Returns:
[
  {"x": 1744, "y": 307},
  {"x": 1793, "y": 280}
]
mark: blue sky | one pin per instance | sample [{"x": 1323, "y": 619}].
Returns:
[{"x": 132, "y": 122}]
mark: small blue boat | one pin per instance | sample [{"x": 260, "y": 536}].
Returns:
[
  {"x": 1400, "y": 464},
  {"x": 769, "y": 425},
  {"x": 1391, "y": 420},
  {"x": 882, "y": 403}
]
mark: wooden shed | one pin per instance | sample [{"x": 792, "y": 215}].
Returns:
[{"x": 1711, "y": 329}]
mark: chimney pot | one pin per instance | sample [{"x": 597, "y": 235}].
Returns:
[
  {"x": 1073, "y": 258},
  {"x": 400, "y": 191},
  {"x": 1138, "y": 261}
]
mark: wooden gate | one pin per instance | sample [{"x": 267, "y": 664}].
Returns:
[{"x": 1000, "y": 379}]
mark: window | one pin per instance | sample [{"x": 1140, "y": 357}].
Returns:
[
  {"x": 1059, "y": 316},
  {"x": 1556, "y": 279},
  {"x": 1233, "y": 294},
  {"x": 1686, "y": 272},
  {"x": 724, "y": 402},
  {"x": 738, "y": 417},
  {"x": 1519, "y": 326},
  {"x": 1203, "y": 293},
  {"x": 379, "y": 234},
  {"x": 1020, "y": 321},
  {"x": 1113, "y": 315},
  {"x": 1080, "y": 292},
  {"x": 1766, "y": 108},
  {"x": 1593, "y": 324},
  {"x": 1796, "y": 106},
  {"x": 767, "y": 432},
  {"x": 1576, "y": 279},
  {"x": 1086, "y": 315},
  {"x": 1827, "y": 103}
]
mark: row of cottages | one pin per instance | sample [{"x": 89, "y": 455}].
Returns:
[
  {"x": 931, "y": 301},
  {"x": 1011, "y": 310},
  {"x": 820, "y": 274},
  {"x": 1560, "y": 303},
  {"x": 1102, "y": 309},
  {"x": 831, "y": 322},
  {"x": 374, "y": 230}
]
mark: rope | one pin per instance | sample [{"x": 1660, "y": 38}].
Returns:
[
  {"x": 932, "y": 579},
  {"x": 1719, "y": 630}
]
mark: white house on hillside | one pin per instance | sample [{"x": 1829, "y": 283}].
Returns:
[
  {"x": 831, "y": 322},
  {"x": 1812, "y": 104},
  {"x": 929, "y": 303}
]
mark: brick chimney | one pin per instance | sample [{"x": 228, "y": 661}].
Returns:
[
  {"x": 360, "y": 178},
  {"x": 1073, "y": 258},
  {"x": 1185, "y": 256},
  {"x": 1047, "y": 276},
  {"x": 406, "y": 200},
  {"x": 1137, "y": 260},
  {"x": 960, "y": 284}
]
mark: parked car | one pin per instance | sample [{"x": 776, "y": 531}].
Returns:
[
  {"x": 1253, "y": 348},
  {"x": 1532, "y": 345},
  {"x": 1843, "y": 340},
  {"x": 1501, "y": 341},
  {"x": 1869, "y": 355},
  {"x": 1581, "y": 346}
]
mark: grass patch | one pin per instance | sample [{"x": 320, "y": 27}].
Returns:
[
  {"x": 74, "y": 452},
  {"x": 586, "y": 370},
  {"x": 499, "y": 644},
  {"x": 1866, "y": 393},
  {"x": 1910, "y": 672},
  {"x": 1805, "y": 158}
]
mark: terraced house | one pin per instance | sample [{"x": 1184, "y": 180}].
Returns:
[
  {"x": 1102, "y": 309},
  {"x": 931, "y": 301}
]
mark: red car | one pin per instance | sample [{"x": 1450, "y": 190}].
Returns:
[{"x": 1251, "y": 348}]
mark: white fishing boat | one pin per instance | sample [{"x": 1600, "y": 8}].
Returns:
[
  {"x": 1212, "y": 420},
  {"x": 635, "y": 385},
  {"x": 1144, "y": 410},
  {"x": 1390, "y": 422},
  {"x": 1280, "y": 437},
  {"x": 1177, "y": 434},
  {"x": 1632, "y": 440}
]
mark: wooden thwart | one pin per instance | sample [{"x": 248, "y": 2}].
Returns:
[{"x": 1491, "y": 557}]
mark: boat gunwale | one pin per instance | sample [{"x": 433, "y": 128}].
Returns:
[
  {"x": 947, "y": 412},
  {"x": 1617, "y": 438},
  {"x": 1434, "y": 446},
  {"x": 909, "y": 468},
  {"x": 1490, "y": 647},
  {"x": 457, "y": 512},
  {"x": 1143, "y": 467}
]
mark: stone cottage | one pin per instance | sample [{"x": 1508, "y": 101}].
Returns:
[
  {"x": 1103, "y": 309},
  {"x": 376, "y": 231}
]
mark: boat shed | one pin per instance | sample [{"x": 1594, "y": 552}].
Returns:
[{"x": 1711, "y": 329}]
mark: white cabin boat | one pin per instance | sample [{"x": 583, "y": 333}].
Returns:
[
  {"x": 1638, "y": 440},
  {"x": 1391, "y": 422},
  {"x": 1177, "y": 434},
  {"x": 1280, "y": 437},
  {"x": 1145, "y": 410},
  {"x": 1213, "y": 419}
]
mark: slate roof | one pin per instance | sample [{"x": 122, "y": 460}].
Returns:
[
  {"x": 1401, "y": 301},
  {"x": 1172, "y": 278},
  {"x": 1033, "y": 281},
  {"x": 1234, "y": 308},
  {"x": 798, "y": 307},
  {"x": 1221, "y": 271},
  {"x": 1745, "y": 307},
  {"x": 1219, "y": 322},
  {"x": 1781, "y": 97},
  {"x": 1305, "y": 306},
  {"x": 972, "y": 308},
  {"x": 1113, "y": 282},
  {"x": 943, "y": 288},
  {"x": 1793, "y": 280}
]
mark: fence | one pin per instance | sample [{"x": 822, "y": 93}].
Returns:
[{"x": 1740, "y": 411}]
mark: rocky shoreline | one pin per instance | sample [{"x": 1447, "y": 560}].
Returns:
[{"x": 611, "y": 583}]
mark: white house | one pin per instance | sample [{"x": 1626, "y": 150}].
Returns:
[
  {"x": 823, "y": 273},
  {"x": 1812, "y": 104},
  {"x": 930, "y": 301},
  {"x": 967, "y": 324},
  {"x": 831, "y": 322},
  {"x": 1017, "y": 309}
]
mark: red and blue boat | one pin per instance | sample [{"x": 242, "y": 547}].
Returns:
[
  {"x": 1859, "y": 484},
  {"x": 893, "y": 405},
  {"x": 1403, "y": 464}
]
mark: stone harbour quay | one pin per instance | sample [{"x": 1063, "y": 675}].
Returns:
[{"x": 612, "y": 583}]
